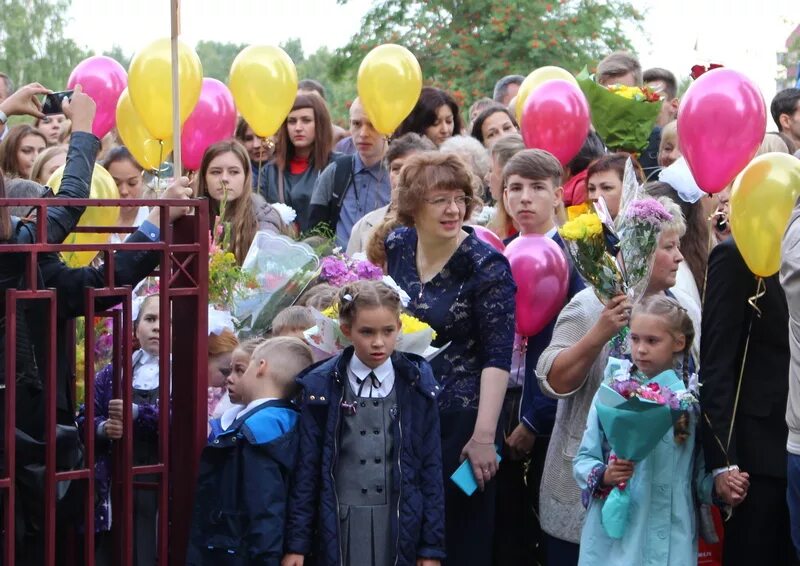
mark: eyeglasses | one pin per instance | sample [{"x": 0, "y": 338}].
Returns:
[{"x": 462, "y": 201}]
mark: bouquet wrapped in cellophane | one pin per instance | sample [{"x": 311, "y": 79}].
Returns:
[
  {"x": 282, "y": 269},
  {"x": 590, "y": 244},
  {"x": 617, "y": 256},
  {"x": 623, "y": 116},
  {"x": 636, "y": 413}
]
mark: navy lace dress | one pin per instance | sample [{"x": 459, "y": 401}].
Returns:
[{"x": 469, "y": 304}]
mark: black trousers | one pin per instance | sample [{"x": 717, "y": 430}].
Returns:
[
  {"x": 758, "y": 533},
  {"x": 518, "y": 535},
  {"x": 469, "y": 521}
]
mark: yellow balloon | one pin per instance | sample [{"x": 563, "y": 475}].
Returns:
[
  {"x": 536, "y": 79},
  {"x": 264, "y": 85},
  {"x": 762, "y": 200},
  {"x": 147, "y": 151},
  {"x": 389, "y": 84},
  {"x": 82, "y": 259},
  {"x": 102, "y": 187},
  {"x": 150, "y": 85}
]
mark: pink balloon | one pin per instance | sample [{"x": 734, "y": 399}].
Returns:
[
  {"x": 103, "y": 79},
  {"x": 541, "y": 272},
  {"x": 556, "y": 118},
  {"x": 489, "y": 237},
  {"x": 721, "y": 123},
  {"x": 212, "y": 120}
]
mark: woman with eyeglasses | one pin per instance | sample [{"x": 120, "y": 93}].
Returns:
[{"x": 463, "y": 288}]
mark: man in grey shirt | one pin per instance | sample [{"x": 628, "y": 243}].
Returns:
[{"x": 342, "y": 198}]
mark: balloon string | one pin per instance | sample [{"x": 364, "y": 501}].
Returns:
[
  {"x": 158, "y": 168},
  {"x": 761, "y": 290},
  {"x": 523, "y": 350},
  {"x": 260, "y": 167}
]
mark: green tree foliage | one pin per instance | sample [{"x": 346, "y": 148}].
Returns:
[
  {"x": 464, "y": 46},
  {"x": 340, "y": 90},
  {"x": 217, "y": 58},
  {"x": 32, "y": 42},
  {"x": 294, "y": 49},
  {"x": 119, "y": 56}
]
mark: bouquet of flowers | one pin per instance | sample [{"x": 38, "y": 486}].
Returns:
[
  {"x": 639, "y": 230},
  {"x": 339, "y": 269},
  {"x": 585, "y": 238},
  {"x": 623, "y": 116},
  {"x": 281, "y": 269},
  {"x": 226, "y": 280},
  {"x": 635, "y": 414}
]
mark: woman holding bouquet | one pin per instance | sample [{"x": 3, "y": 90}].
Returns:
[
  {"x": 666, "y": 486},
  {"x": 464, "y": 290},
  {"x": 571, "y": 369}
]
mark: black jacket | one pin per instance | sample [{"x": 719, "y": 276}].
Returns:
[
  {"x": 758, "y": 443},
  {"x": 70, "y": 285}
]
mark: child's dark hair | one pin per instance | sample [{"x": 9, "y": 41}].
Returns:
[
  {"x": 366, "y": 294},
  {"x": 679, "y": 323}
]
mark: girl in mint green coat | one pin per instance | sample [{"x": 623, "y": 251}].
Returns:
[{"x": 667, "y": 487}]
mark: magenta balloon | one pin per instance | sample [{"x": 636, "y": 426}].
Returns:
[
  {"x": 540, "y": 269},
  {"x": 103, "y": 79},
  {"x": 556, "y": 118},
  {"x": 489, "y": 237},
  {"x": 213, "y": 119},
  {"x": 721, "y": 123}
]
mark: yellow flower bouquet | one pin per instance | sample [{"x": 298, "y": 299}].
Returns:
[{"x": 585, "y": 240}]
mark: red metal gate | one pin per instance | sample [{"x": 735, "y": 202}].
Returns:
[{"x": 183, "y": 290}]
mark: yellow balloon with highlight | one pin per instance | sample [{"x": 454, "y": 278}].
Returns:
[
  {"x": 536, "y": 79},
  {"x": 762, "y": 200},
  {"x": 263, "y": 82},
  {"x": 150, "y": 85},
  {"x": 102, "y": 187},
  {"x": 146, "y": 150},
  {"x": 389, "y": 85}
]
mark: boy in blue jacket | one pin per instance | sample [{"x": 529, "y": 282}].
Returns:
[{"x": 243, "y": 480}]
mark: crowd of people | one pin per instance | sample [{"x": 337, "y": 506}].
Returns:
[{"x": 353, "y": 459}]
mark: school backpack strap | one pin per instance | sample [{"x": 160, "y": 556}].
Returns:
[{"x": 342, "y": 178}]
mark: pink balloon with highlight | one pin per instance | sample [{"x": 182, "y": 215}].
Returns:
[
  {"x": 721, "y": 124},
  {"x": 212, "y": 120},
  {"x": 103, "y": 79},
  {"x": 556, "y": 118},
  {"x": 541, "y": 272},
  {"x": 489, "y": 237}
]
